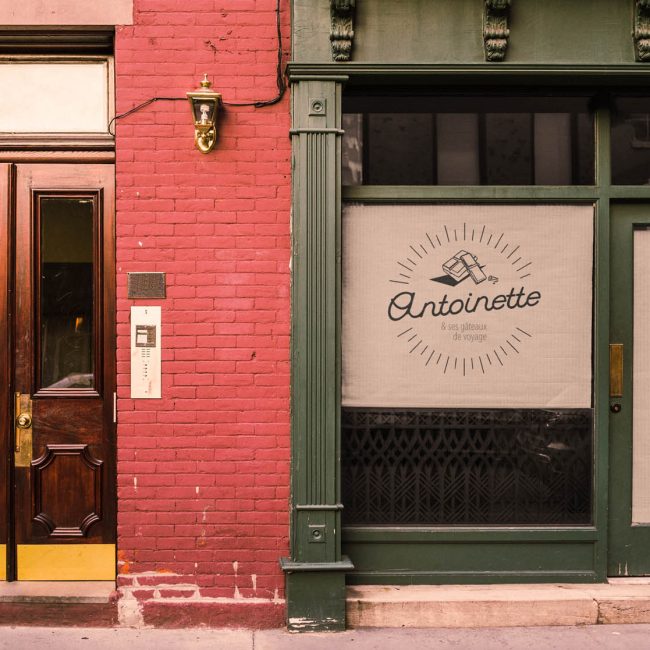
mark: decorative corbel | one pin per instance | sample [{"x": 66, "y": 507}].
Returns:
[
  {"x": 342, "y": 28},
  {"x": 495, "y": 29},
  {"x": 642, "y": 30}
]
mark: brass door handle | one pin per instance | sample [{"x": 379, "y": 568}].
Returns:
[
  {"x": 616, "y": 370},
  {"x": 24, "y": 421}
]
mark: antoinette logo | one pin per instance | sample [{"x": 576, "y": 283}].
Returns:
[{"x": 467, "y": 300}]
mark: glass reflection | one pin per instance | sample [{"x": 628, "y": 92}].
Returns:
[
  {"x": 630, "y": 141},
  {"x": 471, "y": 140},
  {"x": 66, "y": 292}
]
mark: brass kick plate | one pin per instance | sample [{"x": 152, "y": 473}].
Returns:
[
  {"x": 23, "y": 430},
  {"x": 65, "y": 561},
  {"x": 616, "y": 370}
]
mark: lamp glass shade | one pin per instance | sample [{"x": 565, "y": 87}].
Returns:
[{"x": 205, "y": 110}]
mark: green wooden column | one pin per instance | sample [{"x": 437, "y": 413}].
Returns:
[{"x": 315, "y": 572}]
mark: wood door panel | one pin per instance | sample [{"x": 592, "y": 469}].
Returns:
[
  {"x": 67, "y": 417},
  {"x": 67, "y": 488}
]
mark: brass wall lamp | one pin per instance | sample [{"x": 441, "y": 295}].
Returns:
[{"x": 205, "y": 107}]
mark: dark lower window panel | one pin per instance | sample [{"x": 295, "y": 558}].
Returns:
[{"x": 467, "y": 466}]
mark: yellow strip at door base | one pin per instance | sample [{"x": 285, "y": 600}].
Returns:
[
  {"x": 66, "y": 561},
  {"x": 3, "y": 562}
]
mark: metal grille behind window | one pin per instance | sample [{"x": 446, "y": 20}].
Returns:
[{"x": 467, "y": 467}]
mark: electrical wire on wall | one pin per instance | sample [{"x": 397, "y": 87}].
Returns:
[{"x": 280, "y": 81}]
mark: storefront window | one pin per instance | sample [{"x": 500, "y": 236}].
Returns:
[
  {"x": 467, "y": 364},
  {"x": 469, "y": 140}
]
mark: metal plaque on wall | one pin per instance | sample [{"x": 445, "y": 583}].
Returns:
[{"x": 146, "y": 285}]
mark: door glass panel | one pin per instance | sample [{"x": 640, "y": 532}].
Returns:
[
  {"x": 66, "y": 292},
  {"x": 641, "y": 379}
]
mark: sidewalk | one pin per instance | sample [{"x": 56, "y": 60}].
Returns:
[{"x": 590, "y": 637}]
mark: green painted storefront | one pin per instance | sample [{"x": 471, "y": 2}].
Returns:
[{"x": 419, "y": 51}]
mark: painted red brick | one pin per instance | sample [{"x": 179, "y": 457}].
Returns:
[{"x": 203, "y": 473}]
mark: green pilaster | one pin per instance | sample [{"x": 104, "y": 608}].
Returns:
[{"x": 315, "y": 572}]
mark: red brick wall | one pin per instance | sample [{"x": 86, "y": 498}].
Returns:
[{"x": 203, "y": 473}]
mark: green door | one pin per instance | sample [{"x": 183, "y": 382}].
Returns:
[{"x": 629, "y": 480}]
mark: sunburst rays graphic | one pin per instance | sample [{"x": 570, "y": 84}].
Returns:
[{"x": 417, "y": 254}]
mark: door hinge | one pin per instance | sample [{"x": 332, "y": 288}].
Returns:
[{"x": 114, "y": 408}]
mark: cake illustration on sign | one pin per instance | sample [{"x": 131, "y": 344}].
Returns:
[{"x": 461, "y": 266}]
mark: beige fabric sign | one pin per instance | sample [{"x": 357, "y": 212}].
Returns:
[
  {"x": 467, "y": 306},
  {"x": 641, "y": 381}
]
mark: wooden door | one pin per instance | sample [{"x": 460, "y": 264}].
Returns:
[
  {"x": 629, "y": 480},
  {"x": 5, "y": 375},
  {"x": 64, "y": 372}
]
